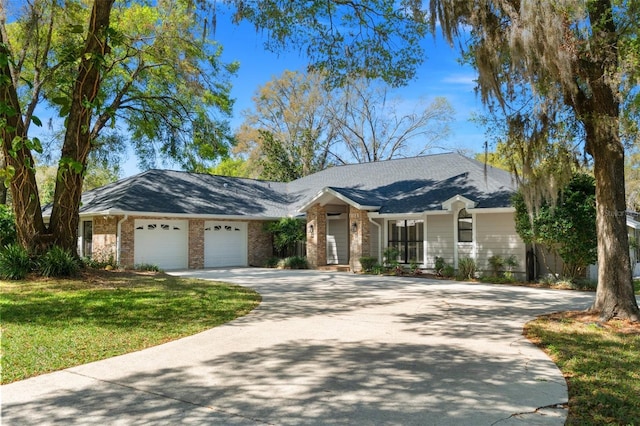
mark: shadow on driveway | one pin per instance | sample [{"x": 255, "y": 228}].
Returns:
[{"x": 326, "y": 348}]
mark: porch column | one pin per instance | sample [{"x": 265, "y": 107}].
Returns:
[
  {"x": 359, "y": 237},
  {"x": 317, "y": 236}
]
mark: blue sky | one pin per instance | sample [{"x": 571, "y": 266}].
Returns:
[{"x": 440, "y": 75}]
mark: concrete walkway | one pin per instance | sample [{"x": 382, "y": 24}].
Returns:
[{"x": 326, "y": 348}]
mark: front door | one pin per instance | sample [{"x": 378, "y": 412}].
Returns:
[{"x": 337, "y": 240}]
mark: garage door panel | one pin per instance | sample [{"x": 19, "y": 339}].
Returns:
[
  {"x": 162, "y": 242},
  {"x": 225, "y": 244}
]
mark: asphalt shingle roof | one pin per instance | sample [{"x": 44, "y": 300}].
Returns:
[
  {"x": 412, "y": 185},
  {"x": 397, "y": 186}
]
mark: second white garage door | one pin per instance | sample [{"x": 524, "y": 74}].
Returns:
[
  {"x": 164, "y": 243},
  {"x": 225, "y": 244}
]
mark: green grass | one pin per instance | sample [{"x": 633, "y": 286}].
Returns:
[
  {"x": 636, "y": 285},
  {"x": 49, "y": 325},
  {"x": 601, "y": 363}
]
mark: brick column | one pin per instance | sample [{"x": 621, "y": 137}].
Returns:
[
  {"x": 126, "y": 243},
  {"x": 359, "y": 241},
  {"x": 317, "y": 236},
  {"x": 196, "y": 244},
  {"x": 260, "y": 244}
]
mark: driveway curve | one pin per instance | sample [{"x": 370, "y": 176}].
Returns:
[{"x": 326, "y": 348}]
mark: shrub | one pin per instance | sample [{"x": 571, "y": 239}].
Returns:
[
  {"x": 7, "y": 226},
  {"x": 286, "y": 233},
  {"x": 368, "y": 263},
  {"x": 584, "y": 284},
  {"x": 511, "y": 262},
  {"x": 466, "y": 269},
  {"x": 390, "y": 255},
  {"x": 414, "y": 267},
  {"x": 377, "y": 269},
  {"x": 57, "y": 262},
  {"x": 147, "y": 267},
  {"x": 448, "y": 271},
  {"x": 439, "y": 266},
  {"x": 295, "y": 262},
  {"x": 497, "y": 265},
  {"x": 503, "y": 279},
  {"x": 271, "y": 262},
  {"x": 15, "y": 262}
]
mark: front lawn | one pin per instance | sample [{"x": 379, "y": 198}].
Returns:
[
  {"x": 601, "y": 363},
  {"x": 49, "y": 325}
]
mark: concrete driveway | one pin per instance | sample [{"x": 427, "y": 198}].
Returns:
[{"x": 326, "y": 348}]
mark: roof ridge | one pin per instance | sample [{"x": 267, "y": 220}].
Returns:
[
  {"x": 216, "y": 175},
  {"x": 486, "y": 169}
]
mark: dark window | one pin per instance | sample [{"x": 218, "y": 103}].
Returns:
[
  {"x": 408, "y": 237},
  {"x": 465, "y": 227},
  {"x": 87, "y": 238}
]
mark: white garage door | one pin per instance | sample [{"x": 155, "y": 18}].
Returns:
[
  {"x": 225, "y": 244},
  {"x": 162, "y": 242}
]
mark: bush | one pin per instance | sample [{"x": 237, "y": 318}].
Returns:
[
  {"x": 466, "y": 269},
  {"x": 147, "y": 267},
  {"x": 368, "y": 263},
  {"x": 497, "y": 265},
  {"x": 57, "y": 262},
  {"x": 390, "y": 255},
  {"x": 295, "y": 262},
  {"x": 584, "y": 284},
  {"x": 503, "y": 279},
  {"x": 7, "y": 226},
  {"x": 448, "y": 271},
  {"x": 271, "y": 262},
  {"x": 15, "y": 262},
  {"x": 501, "y": 265},
  {"x": 286, "y": 233},
  {"x": 414, "y": 267},
  {"x": 439, "y": 266},
  {"x": 511, "y": 262}
]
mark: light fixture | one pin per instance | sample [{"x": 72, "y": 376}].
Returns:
[
  {"x": 311, "y": 228},
  {"x": 354, "y": 227}
]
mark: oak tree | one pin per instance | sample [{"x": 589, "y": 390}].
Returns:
[
  {"x": 581, "y": 54},
  {"x": 144, "y": 71}
]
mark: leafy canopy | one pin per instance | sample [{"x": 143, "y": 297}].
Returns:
[{"x": 567, "y": 228}]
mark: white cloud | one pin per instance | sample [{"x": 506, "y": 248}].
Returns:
[{"x": 461, "y": 79}]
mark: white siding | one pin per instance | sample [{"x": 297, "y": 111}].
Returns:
[
  {"x": 440, "y": 239},
  {"x": 465, "y": 250},
  {"x": 376, "y": 234},
  {"x": 497, "y": 236}
]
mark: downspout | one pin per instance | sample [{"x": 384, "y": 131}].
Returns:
[
  {"x": 379, "y": 236},
  {"x": 118, "y": 239}
]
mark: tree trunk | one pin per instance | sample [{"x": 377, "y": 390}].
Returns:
[
  {"x": 599, "y": 111},
  {"x": 615, "y": 296},
  {"x": 3, "y": 188},
  {"x": 77, "y": 141},
  {"x": 19, "y": 162}
]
